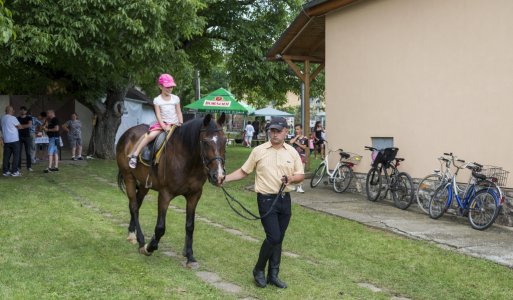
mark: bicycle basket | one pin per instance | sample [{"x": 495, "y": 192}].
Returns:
[
  {"x": 352, "y": 159},
  {"x": 384, "y": 156},
  {"x": 495, "y": 174}
]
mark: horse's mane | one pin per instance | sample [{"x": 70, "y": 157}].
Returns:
[{"x": 188, "y": 133}]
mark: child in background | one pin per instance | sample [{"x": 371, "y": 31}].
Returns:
[{"x": 311, "y": 142}]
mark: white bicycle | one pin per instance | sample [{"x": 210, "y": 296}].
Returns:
[{"x": 341, "y": 175}]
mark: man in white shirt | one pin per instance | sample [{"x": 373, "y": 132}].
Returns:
[
  {"x": 248, "y": 131},
  {"x": 10, "y": 126}
]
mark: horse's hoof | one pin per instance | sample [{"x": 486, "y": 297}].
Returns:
[
  {"x": 194, "y": 265},
  {"x": 143, "y": 250},
  {"x": 132, "y": 238}
]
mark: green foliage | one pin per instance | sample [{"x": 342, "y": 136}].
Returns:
[
  {"x": 88, "y": 47},
  {"x": 6, "y": 24},
  {"x": 91, "y": 46}
]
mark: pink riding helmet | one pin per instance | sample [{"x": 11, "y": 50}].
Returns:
[{"x": 167, "y": 80}]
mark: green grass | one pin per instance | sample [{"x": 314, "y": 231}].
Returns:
[{"x": 64, "y": 237}]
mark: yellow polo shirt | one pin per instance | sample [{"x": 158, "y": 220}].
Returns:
[{"x": 271, "y": 164}]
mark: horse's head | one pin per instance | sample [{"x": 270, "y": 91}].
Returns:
[{"x": 213, "y": 143}]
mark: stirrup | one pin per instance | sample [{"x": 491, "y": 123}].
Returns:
[{"x": 132, "y": 163}]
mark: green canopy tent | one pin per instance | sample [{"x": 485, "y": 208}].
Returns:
[{"x": 219, "y": 100}]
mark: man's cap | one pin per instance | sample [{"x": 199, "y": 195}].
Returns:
[
  {"x": 278, "y": 123},
  {"x": 23, "y": 108}
]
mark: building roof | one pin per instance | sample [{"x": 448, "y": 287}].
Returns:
[
  {"x": 135, "y": 94},
  {"x": 304, "y": 39}
]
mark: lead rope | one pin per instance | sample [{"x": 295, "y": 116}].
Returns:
[{"x": 254, "y": 217}]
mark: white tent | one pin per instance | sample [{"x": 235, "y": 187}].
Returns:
[
  {"x": 271, "y": 112},
  {"x": 136, "y": 112}
]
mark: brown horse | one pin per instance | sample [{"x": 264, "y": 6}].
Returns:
[{"x": 195, "y": 152}]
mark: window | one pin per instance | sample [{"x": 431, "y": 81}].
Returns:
[{"x": 382, "y": 142}]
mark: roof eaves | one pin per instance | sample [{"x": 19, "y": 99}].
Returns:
[{"x": 312, "y": 9}]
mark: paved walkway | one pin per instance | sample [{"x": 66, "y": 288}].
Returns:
[{"x": 452, "y": 232}]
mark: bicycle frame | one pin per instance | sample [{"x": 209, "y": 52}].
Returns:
[
  {"x": 330, "y": 174},
  {"x": 463, "y": 201},
  {"x": 388, "y": 177},
  {"x": 454, "y": 192}
]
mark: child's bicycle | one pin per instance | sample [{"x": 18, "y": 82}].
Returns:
[
  {"x": 341, "y": 175},
  {"x": 398, "y": 183}
]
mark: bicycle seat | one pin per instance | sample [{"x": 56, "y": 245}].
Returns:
[
  {"x": 344, "y": 155},
  {"x": 478, "y": 175}
]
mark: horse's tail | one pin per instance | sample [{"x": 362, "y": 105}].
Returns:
[{"x": 121, "y": 182}]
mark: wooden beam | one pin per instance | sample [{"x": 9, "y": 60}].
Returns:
[
  {"x": 303, "y": 58},
  {"x": 296, "y": 70},
  {"x": 317, "y": 71},
  {"x": 306, "y": 106},
  {"x": 289, "y": 44}
]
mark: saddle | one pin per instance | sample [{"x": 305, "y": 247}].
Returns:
[{"x": 150, "y": 154}]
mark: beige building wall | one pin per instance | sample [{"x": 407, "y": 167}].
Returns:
[
  {"x": 292, "y": 100},
  {"x": 435, "y": 75}
]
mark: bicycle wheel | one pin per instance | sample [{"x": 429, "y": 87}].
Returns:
[
  {"x": 439, "y": 202},
  {"x": 426, "y": 189},
  {"x": 483, "y": 209},
  {"x": 373, "y": 184},
  {"x": 342, "y": 178},
  {"x": 402, "y": 191},
  {"x": 318, "y": 175}
]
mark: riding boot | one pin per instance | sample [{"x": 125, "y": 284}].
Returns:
[
  {"x": 274, "y": 268},
  {"x": 263, "y": 257}
]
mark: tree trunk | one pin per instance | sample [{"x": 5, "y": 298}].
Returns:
[{"x": 108, "y": 117}]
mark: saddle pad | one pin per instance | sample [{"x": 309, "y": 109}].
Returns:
[{"x": 150, "y": 155}]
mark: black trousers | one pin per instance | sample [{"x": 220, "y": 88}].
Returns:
[
  {"x": 26, "y": 143},
  {"x": 14, "y": 150},
  {"x": 276, "y": 222}
]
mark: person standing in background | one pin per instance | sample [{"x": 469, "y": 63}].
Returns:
[
  {"x": 10, "y": 125},
  {"x": 256, "y": 126},
  {"x": 35, "y": 125},
  {"x": 248, "y": 134},
  {"x": 300, "y": 143},
  {"x": 74, "y": 129},
  {"x": 266, "y": 129},
  {"x": 52, "y": 130},
  {"x": 319, "y": 139},
  {"x": 25, "y": 138}
]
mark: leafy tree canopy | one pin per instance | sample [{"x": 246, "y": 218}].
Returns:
[{"x": 93, "y": 48}]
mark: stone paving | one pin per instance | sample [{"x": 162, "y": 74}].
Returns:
[{"x": 450, "y": 231}]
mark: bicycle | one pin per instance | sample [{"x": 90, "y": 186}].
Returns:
[
  {"x": 428, "y": 185},
  {"x": 481, "y": 206},
  {"x": 341, "y": 175},
  {"x": 398, "y": 183}
]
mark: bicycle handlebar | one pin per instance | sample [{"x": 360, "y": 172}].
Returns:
[{"x": 370, "y": 148}]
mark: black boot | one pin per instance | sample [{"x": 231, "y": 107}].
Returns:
[
  {"x": 263, "y": 257},
  {"x": 274, "y": 268}
]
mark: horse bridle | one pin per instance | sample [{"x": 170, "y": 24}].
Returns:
[{"x": 206, "y": 162}]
